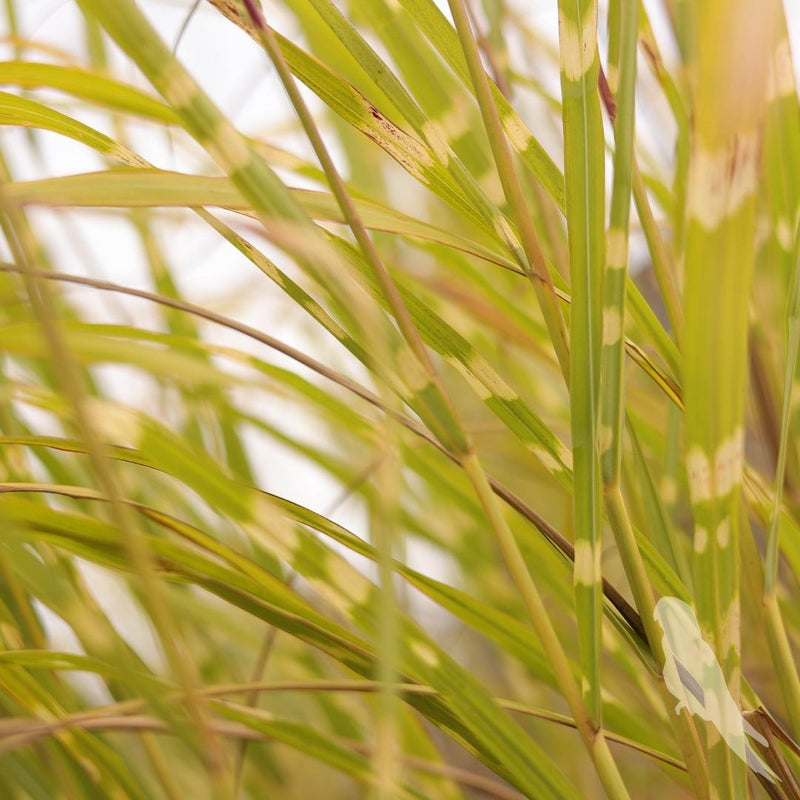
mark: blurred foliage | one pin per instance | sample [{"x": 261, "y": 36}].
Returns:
[{"x": 527, "y": 311}]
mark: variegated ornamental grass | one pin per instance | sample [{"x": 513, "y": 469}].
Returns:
[{"x": 549, "y": 352}]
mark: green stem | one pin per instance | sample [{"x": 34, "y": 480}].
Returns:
[
  {"x": 662, "y": 266},
  {"x": 775, "y": 628},
  {"x": 536, "y": 265},
  {"x": 532, "y": 600},
  {"x": 635, "y": 572}
]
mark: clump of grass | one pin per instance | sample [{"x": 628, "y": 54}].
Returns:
[{"x": 558, "y": 363}]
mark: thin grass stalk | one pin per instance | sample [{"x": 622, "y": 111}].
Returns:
[
  {"x": 623, "y": 22},
  {"x": 585, "y": 204},
  {"x": 676, "y": 99},
  {"x": 534, "y": 261},
  {"x": 612, "y": 400},
  {"x": 775, "y": 628},
  {"x": 592, "y": 736},
  {"x": 345, "y": 202},
  {"x": 384, "y": 528},
  {"x": 781, "y": 148},
  {"x": 683, "y": 724},
  {"x": 166, "y": 779},
  {"x": 658, "y": 513},
  {"x": 662, "y": 263},
  {"x": 222, "y": 691},
  {"x": 259, "y": 671}
]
